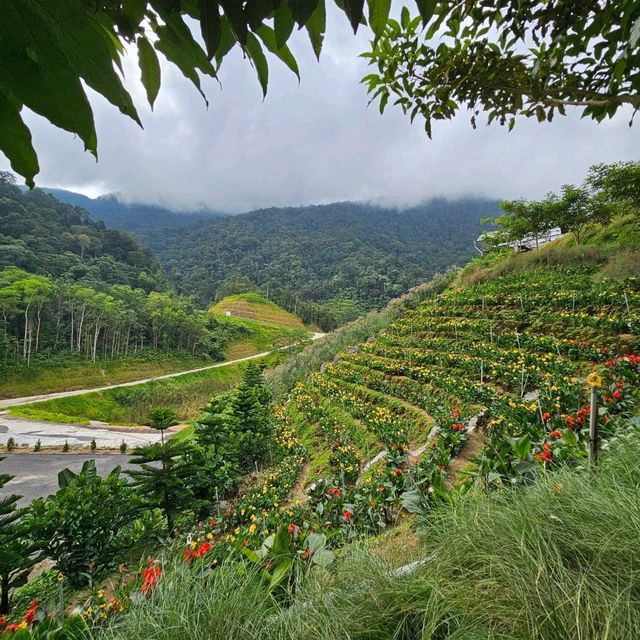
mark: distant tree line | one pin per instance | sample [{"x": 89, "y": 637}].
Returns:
[
  {"x": 328, "y": 264},
  {"x": 608, "y": 190}
]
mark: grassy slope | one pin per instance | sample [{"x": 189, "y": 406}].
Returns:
[
  {"x": 253, "y": 306},
  {"x": 267, "y": 324},
  {"x": 556, "y": 560},
  {"x": 84, "y": 374},
  {"x": 186, "y": 395}
]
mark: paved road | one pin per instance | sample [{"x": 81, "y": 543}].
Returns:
[
  {"x": 12, "y": 402},
  {"x": 36, "y": 475}
]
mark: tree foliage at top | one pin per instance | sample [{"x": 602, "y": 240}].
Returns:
[
  {"x": 49, "y": 52},
  {"x": 584, "y": 53},
  {"x": 509, "y": 58}
]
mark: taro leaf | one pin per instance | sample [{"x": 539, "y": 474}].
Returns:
[
  {"x": 412, "y": 501},
  {"x": 316, "y": 541},
  {"x": 254, "y": 49},
  {"x": 15, "y": 141},
  {"x": 323, "y": 557},
  {"x": 149, "y": 69}
]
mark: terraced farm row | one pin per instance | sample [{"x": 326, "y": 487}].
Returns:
[{"x": 503, "y": 363}]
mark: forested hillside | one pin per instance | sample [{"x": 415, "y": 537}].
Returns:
[
  {"x": 327, "y": 263},
  {"x": 131, "y": 216},
  {"x": 45, "y": 236},
  {"x": 71, "y": 287}
]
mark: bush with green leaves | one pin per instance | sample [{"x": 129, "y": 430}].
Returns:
[
  {"x": 16, "y": 547},
  {"x": 88, "y": 524}
]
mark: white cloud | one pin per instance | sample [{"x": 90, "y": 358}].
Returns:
[{"x": 312, "y": 142}]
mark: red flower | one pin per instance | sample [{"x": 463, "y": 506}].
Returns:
[
  {"x": 334, "y": 492},
  {"x": 336, "y": 444},
  {"x": 30, "y": 616},
  {"x": 617, "y": 395},
  {"x": 441, "y": 467},
  {"x": 546, "y": 415},
  {"x": 212, "y": 522},
  {"x": 397, "y": 472},
  {"x": 188, "y": 554},
  {"x": 556, "y": 434},
  {"x": 150, "y": 579},
  {"x": 293, "y": 529},
  {"x": 307, "y": 554},
  {"x": 3, "y": 621},
  {"x": 456, "y": 412},
  {"x": 347, "y": 515},
  {"x": 14, "y": 626},
  {"x": 545, "y": 455},
  {"x": 122, "y": 567},
  {"x": 204, "y": 548}
]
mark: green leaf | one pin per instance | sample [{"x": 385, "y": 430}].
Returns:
[
  {"x": 354, "y": 10},
  {"x": 15, "y": 141},
  {"x": 233, "y": 10},
  {"x": 259, "y": 61},
  {"x": 210, "y": 25},
  {"x": 283, "y": 22},
  {"x": 378, "y": 15},
  {"x": 35, "y": 72},
  {"x": 280, "y": 571},
  {"x": 90, "y": 50},
  {"x": 149, "y": 69},
  {"x": 426, "y": 9},
  {"x": 405, "y": 18},
  {"x": 302, "y": 10},
  {"x": 316, "y": 26},
  {"x": 316, "y": 541},
  {"x": 412, "y": 501},
  {"x": 268, "y": 37},
  {"x": 323, "y": 558},
  {"x": 227, "y": 40},
  {"x": 522, "y": 446}
]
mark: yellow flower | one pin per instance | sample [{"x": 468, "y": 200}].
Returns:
[{"x": 594, "y": 379}]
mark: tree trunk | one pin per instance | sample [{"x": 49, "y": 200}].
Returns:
[
  {"x": 4, "y": 595},
  {"x": 80, "y": 323},
  {"x": 95, "y": 341},
  {"x": 38, "y": 323},
  {"x": 26, "y": 331}
]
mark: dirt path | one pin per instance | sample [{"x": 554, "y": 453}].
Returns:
[{"x": 12, "y": 402}]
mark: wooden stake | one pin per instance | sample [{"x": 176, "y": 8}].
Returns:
[{"x": 593, "y": 429}]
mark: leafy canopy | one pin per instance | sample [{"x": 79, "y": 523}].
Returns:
[
  {"x": 509, "y": 58},
  {"x": 49, "y": 52}
]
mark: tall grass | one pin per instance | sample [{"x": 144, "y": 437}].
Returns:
[{"x": 558, "y": 560}]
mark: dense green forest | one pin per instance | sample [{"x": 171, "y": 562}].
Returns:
[
  {"x": 69, "y": 285},
  {"x": 134, "y": 217},
  {"x": 48, "y": 237},
  {"x": 326, "y": 263}
]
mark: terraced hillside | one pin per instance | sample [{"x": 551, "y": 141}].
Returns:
[
  {"x": 516, "y": 349},
  {"x": 252, "y": 306},
  {"x": 485, "y": 382}
]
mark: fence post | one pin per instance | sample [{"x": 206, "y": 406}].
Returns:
[{"x": 594, "y": 381}]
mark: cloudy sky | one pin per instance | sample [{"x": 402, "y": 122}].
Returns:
[{"x": 312, "y": 142}]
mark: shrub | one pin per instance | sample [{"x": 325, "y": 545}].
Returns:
[{"x": 85, "y": 526}]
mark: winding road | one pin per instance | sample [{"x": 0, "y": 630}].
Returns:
[
  {"x": 36, "y": 474},
  {"x": 12, "y": 402}
]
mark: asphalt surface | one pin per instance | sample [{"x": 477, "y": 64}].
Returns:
[{"x": 36, "y": 474}]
